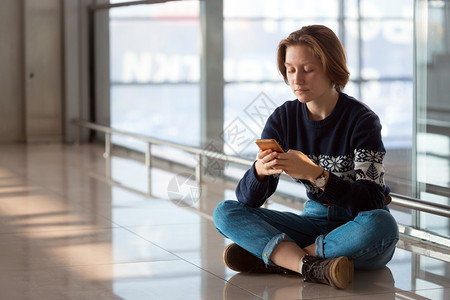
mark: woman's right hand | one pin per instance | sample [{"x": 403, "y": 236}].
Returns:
[{"x": 266, "y": 164}]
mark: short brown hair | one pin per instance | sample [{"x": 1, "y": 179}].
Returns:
[{"x": 325, "y": 45}]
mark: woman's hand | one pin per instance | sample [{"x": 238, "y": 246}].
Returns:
[
  {"x": 266, "y": 164},
  {"x": 297, "y": 164}
]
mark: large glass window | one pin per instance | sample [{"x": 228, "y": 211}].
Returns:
[
  {"x": 433, "y": 109},
  {"x": 154, "y": 72},
  {"x": 379, "y": 43}
]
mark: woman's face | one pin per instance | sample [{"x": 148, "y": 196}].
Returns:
[{"x": 306, "y": 76}]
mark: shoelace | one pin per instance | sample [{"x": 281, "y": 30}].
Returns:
[{"x": 316, "y": 272}]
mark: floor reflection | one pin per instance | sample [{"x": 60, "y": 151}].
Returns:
[
  {"x": 278, "y": 287},
  {"x": 68, "y": 230}
]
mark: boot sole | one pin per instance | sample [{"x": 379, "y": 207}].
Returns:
[
  {"x": 248, "y": 263},
  {"x": 341, "y": 272},
  {"x": 225, "y": 255}
]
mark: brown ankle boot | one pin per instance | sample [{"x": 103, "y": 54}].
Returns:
[
  {"x": 336, "y": 272},
  {"x": 240, "y": 260}
]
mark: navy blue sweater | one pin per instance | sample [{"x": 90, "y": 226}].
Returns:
[{"x": 347, "y": 144}]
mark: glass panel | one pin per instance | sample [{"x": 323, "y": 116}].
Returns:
[
  {"x": 248, "y": 105},
  {"x": 352, "y": 88},
  {"x": 386, "y": 9},
  {"x": 175, "y": 9},
  {"x": 248, "y": 57},
  {"x": 380, "y": 51},
  {"x": 378, "y": 9},
  {"x": 387, "y": 48},
  {"x": 351, "y": 9},
  {"x": 159, "y": 111},
  {"x": 351, "y": 44},
  {"x": 432, "y": 63},
  {"x": 431, "y": 273},
  {"x": 273, "y": 9},
  {"x": 393, "y": 102},
  {"x": 250, "y": 47},
  {"x": 154, "y": 51},
  {"x": 154, "y": 72}
]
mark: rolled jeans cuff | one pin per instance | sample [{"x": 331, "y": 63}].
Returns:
[
  {"x": 319, "y": 246},
  {"x": 272, "y": 244}
]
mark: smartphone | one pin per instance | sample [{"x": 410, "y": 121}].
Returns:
[{"x": 272, "y": 144}]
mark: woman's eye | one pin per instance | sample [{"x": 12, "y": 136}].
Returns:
[
  {"x": 290, "y": 70},
  {"x": 308, "y": 70}
]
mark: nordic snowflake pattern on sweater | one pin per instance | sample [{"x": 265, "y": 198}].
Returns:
[{"x": 363, "y": 165}]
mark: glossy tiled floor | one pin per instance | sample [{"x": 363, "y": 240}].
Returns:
[{"x": 76, "y": 226}]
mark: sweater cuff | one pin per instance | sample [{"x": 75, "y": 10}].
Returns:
[
  {"x": 254, "y": 182},
  {"x": 332, "y": 190},
  {"x": 250, "y": 190}
]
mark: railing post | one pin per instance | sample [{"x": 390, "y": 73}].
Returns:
[
  {"x": 107, "y": 145},
  {"x": 198, "y": 170},
  {"x": 148, "y": 164},
  {"x": 148, "y": 156},
  {"x": 107, "y": 154}
]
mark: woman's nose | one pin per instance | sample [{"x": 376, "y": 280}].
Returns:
[{"x": 298, "y": 78}]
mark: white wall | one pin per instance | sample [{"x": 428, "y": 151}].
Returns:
[
  {"x": 44, "y": 69},
  {"x": 12, "y": 107}
]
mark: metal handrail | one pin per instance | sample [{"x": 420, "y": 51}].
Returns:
[
  {"x": 420, "y": 205},
  {"x": 102, "y": 6},
  {"x": 397, "y": 199}
]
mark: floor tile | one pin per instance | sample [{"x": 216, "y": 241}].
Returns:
[
  {"x": 38, "y": 250},
  {"x": 199, "y": 243},
  {"x": 140, "y": 212},
  {"x": 190, "y": 241},
  {"x": 274, "y": 286},
  {"x": 140, "y": 281},
  {"x": 30, "y": 208}
]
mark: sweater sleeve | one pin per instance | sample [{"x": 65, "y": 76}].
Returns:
[
  {"x": 368, "y": 190},
  {"x": 250, "y": 190},
  {"x": 253, "y": 192}
]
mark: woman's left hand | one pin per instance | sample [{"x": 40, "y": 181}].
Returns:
[{"x": 297, "y": 164}]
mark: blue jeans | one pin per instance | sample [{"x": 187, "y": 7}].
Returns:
[{"x": 369, "y": 238}]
